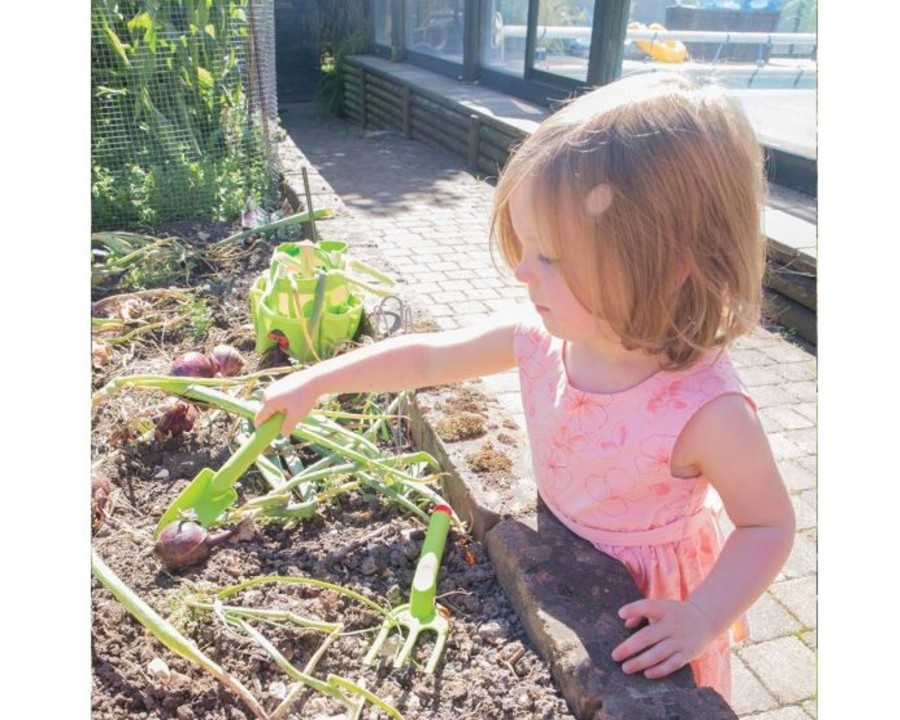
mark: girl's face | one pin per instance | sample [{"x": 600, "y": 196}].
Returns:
[{"x": 563, "y": 314}]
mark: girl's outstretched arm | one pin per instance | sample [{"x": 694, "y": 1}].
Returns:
[
  {"x": 727, "y": 443},
  {"x": 399, "y": 363}
]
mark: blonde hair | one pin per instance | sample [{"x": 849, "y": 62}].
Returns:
[{"x": 675, "y": 263}]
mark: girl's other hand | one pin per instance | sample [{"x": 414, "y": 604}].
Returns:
[
  {"x": 677, "y": 633},
  {"x": 292, "y": 395}
]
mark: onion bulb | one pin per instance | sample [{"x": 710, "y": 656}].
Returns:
[
  {"x": 183, "y": 543},
  {"x": 178, "y": 419},
  {"x": 193, "y": 364},
  {"x": 226, "y": 360}
]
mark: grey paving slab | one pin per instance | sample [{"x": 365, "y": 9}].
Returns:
[
  {"x": 748, "y": 694},
  {"x": 805, "y": 514},
  {"x": 769, "y": 620},
  {"x": 798, "y": 595},
  {"x": 792, "y": 712},
  {"x": 797, "y": 474},
  {"x": 802, "y": 560},
  {"x": 785, "y": 666}
]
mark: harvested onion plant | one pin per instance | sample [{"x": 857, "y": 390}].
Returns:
[
  {"x": 119, "y": 319},
  {"x": 331, "y": 452},
  {"x": 167, "y": 634},
  {"x": 251, "y": 622},
  {"x": 137, "y": 260}
]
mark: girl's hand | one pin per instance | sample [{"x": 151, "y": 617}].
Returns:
[
  {"x": 678, "y": 632},
  {"x": 293, "y": 395}
]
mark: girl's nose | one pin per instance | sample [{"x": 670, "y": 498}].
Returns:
[{"x": 522, "y": 273}]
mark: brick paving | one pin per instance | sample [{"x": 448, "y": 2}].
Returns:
[{"x": 428, "y": 217}]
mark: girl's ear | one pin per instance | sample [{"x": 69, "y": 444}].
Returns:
[{"x": 598, "y": 199}]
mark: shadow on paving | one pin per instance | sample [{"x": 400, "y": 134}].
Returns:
[{"x": 385, "y": 174}]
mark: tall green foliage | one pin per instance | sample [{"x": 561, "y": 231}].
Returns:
[
  {"x": 343, "y": 31},
  {"x": 172, "y": 132}
]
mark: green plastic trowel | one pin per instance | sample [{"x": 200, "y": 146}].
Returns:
[{"x": 212, "y": 491}]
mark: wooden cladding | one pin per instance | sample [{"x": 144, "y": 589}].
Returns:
[{"x": 375, "y": 100}]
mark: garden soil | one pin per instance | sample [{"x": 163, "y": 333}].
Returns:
[{"x": 360, "y": 541}]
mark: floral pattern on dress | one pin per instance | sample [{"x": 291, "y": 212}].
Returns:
[
  {"x": 654, "y": 456},
  {"x": 612, "y": 444},
  {"x": 666, "y": 399},
  {"x": 586, "y": 411}
]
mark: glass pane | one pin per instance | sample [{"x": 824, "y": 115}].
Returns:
[
  {"x": 383, "y": 22},
  {"x": 435, "y": 27},
  {"x": 503, "y": 26},
  {"x": 709, "y": 39},
  {"x": 563, "y": 40}
]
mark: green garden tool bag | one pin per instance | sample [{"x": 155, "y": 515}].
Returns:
[{"x": 306, "y": 302}]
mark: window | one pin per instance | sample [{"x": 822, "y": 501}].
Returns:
[
  {"x": 716, "y": 42},
  {"x": 563, "y": 37},
  {"x": 435, "y": 27},
  {"x": 383, "y": 23},
  {"x": 504, "y": 25}
]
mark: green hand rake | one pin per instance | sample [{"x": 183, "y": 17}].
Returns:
[
  {"x": 212, "y": 491},
  {"x": 421, "y": 612}
]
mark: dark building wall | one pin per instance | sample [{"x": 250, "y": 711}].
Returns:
[{"x": 297, "y": 48}]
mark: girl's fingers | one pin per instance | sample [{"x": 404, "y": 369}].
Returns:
[
  {"x": 259, "y": 418},
  {"x": 650, "y": 609},
  {"x": 641, "y": 640},
  {"x": 633, "y": 622},
  {"x": 655, "y": 657},
  {"x": 674, "y": 662}
]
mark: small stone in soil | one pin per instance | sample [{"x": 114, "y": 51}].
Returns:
[
  {"x": 493, "y": 631},
  {"x": 368, "y": 565}
]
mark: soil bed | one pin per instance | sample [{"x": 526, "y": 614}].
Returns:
[{"x": 360, "y": 541}]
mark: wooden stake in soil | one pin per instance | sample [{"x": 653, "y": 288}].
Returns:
[{"x": 309, "y": 206}]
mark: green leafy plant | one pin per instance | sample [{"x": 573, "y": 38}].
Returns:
[
  {"x": 140, "y": 262},
  {"x": 330, "y": 91},
  {"x": 172, "y": 134},
  {"x": 201, "y": 319}
]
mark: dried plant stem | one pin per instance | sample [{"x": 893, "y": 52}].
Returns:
[{"x": 166, "y": 633}]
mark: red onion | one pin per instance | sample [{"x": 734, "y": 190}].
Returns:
[
  {"x": 193, "y": 364},
  {"x": 183, "y": 543},
  {"x": 178, "y": 419},
  {"x": 101, "y": 490},
  {"x": 226, "y": 360}
]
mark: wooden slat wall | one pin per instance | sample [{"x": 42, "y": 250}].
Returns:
[{"x": 376, "y": 100}]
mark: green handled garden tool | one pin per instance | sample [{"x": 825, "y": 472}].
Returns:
[
  {"x": 212, "y": 491},
  {"x": 421, "y": 612}
]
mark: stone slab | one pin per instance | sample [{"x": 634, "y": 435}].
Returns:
[{"x": 568, "y": 596}]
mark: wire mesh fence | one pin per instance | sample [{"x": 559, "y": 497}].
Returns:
[{"x": 183, "y": 110}]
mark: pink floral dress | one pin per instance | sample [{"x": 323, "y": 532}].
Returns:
[{"x": 602, "y": 466}]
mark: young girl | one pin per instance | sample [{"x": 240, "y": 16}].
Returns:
[{"x": 633, "y": 217}]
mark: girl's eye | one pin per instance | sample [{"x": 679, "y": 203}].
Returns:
[{"x": 546, "y": 260}]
